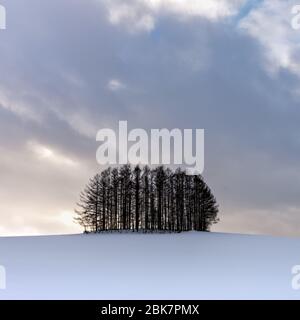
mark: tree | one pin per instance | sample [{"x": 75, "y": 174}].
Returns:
[
  {"x": 146, "y": 196},
  {"x": 115, "y": 198},
  {"x": 89, "y": 205},
  {"x": 147, "y": 200},
  {"x": 137, "y": 194}
]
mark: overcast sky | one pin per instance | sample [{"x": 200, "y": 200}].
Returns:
[{"x": 71, "y": 67}]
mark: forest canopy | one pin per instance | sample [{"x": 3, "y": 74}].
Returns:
[{"x": 144, "y": 199}]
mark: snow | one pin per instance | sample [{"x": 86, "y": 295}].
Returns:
[{"x": 149, "y": 266}]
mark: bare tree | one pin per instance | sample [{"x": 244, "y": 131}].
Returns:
[{"x": 147, "y": 200}]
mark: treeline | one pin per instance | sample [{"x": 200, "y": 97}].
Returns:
[{"x": 142, "y": 199}]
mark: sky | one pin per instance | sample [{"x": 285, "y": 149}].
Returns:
[{"x": 70, "y": 68}]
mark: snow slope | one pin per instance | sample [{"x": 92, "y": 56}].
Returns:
[{"x": 149, "y": 266}]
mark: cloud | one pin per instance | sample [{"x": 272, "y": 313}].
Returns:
[
  {"x": 115, "y": 85},
  {"x": 131, "y": 15},
  {"x": 283, "y": 222},
  {"x": 141, "y": 15},
  {"x": 270, "y": 24},
  {"x": 211, "y": 9},
  {"x": 45, "y": 153},
  {"x": 198, "y": 69},
  {"x": 17, "y": 106}
]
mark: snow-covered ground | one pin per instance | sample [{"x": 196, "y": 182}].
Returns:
[{"x": 149, "y": 266}]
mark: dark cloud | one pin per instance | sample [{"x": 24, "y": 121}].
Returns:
[{"x": 57, "y": 60}]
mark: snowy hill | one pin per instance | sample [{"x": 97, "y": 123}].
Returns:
[{"x": 152, "y": 266}]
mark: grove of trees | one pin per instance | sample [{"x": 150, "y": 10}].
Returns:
[{"x": 144, "y": 199}]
